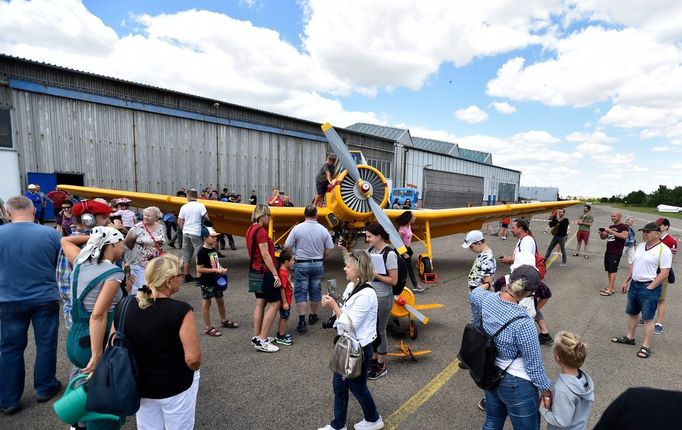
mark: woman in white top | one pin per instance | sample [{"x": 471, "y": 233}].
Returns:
[
  {"x": 145, "y": 239},
  {"x": 359, "y": 309}
]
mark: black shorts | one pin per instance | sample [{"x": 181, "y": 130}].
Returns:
[
  {"x": 269, "y": 292},
  {"x": 611, "y": 262},
  {"x": 321, "y": 188}
]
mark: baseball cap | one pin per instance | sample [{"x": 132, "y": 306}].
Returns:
[
  {"x": 529, "y": 274},
  {"x": 472, "y": 237},
  {"x": 31, "y": 187},
  {"x": 91, "y": 207},
  {"x": 208, "y": 231},
  {"x": 651, "y": 226},
  {"x": 663, "y": 221}
]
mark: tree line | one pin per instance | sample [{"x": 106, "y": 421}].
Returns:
[{"x": 663, "y": 195}]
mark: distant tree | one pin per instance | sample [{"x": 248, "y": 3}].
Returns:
[
  {"x": 604, "y": 200},
  {"x": 615, "y": 199},
  {"x": 636, "y": 198},
  {"x": 661, "y": 196}
]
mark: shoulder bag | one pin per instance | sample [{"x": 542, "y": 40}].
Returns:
[
  {"x": 347, "y": 355},
  {"x": 113, "y": 386}
]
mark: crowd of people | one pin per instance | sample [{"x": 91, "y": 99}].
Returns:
[{"x": 101, "y": 255}]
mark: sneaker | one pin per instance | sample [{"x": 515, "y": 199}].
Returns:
[
  {"x": 282, "y": 340},
  {"x": 302, "y": 327},
  {"x": 562, "y": 264},
  {"x": 313, "y": 318},
  {"x": 377, "y": 372},
  {"x": 11, "y": 410},
  {"x": 504, "y": 237},
  {"x": 256, "y": 342},
  {"x": 419, "y": 288},
  {"x": 189, "y": 278},
  {"x": 641, "y": 322},
  {"x": 289, "y": 336},
  {"x": 545, "y": 339},
  {"x": 481, "y": 404},
  {"x": 329, "y": 427},
  {"x": 367, "y": 425},
  {"x": 658, "y": 328},
  {"x": 265, "y": 346}
]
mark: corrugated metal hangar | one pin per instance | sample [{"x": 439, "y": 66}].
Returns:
[{"x": 59, "y": 125}]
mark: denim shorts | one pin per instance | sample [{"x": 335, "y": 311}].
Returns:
[
  {"x": 308, "y": 281},
  {"x": 641, "y": 299}
]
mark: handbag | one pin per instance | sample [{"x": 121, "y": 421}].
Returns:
[
  {"x": 113, "y": 386},
  {"x": 159, "y": 251},
  {"x": 347, "y": 355},
  {"x": 255, "y": 277}
]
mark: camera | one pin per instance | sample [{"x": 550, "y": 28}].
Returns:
[{"x": 330, "y": 322}]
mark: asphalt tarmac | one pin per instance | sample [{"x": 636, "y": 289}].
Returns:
[{"x": 242, "y": 388}]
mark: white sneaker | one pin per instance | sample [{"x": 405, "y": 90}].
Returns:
[
  {"x": 266, "y": 346},
  {"x": 366, "y": 425},
  {"x": 329, "y": 427}
]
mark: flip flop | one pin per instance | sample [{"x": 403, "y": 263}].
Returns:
[
  {"x": 229, "y": 324},
  {"x": 605, "y": 293},
  {"x": 211, "y": 331}
]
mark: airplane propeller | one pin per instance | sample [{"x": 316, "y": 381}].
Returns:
[{"x": 364, "y": 188}]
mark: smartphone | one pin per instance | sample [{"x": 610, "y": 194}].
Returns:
[
  {"x": 501, "y": 257},
  {"x": 331, "y": 287},
  {"x": 602, "y": 229}
]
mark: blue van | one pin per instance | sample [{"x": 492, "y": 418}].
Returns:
[{"x": 402, "y": 194}]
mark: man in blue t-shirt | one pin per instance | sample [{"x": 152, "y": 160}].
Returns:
[
  {"x": 35, "y": 198},
  {"x": 28, "y": 295}
]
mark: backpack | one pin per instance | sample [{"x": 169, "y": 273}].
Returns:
[
  {"x": 539, "y": 260},
  {"x": 402, "y": 269},
  {"x": 478, "y": 353},
  {"x": 113, "y": 386}
]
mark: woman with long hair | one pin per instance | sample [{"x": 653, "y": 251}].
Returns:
[
  {"x": 262, "y": 252},
  {"x": 383, "y": 285},
  {"x": 163, "y": 335},
  {"x": 357, "y": 315},
  {"x": 405, "y": 221}
]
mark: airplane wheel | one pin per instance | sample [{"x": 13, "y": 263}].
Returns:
[
  {"x": 413, "y": 330},
  {"x": 424, "y": 265},
  {"x": 428, "y": 268}
]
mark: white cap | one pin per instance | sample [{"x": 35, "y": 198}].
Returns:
[
  {"x": 472, "y": 237},
  {"x": 31, "y": 187}
]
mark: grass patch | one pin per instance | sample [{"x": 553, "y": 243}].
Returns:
[{"x": 642, "y": 209}]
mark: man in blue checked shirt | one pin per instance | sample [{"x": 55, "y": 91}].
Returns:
[{"x": 518, "y": 349}]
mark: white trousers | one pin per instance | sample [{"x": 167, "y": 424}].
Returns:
[
  {"x": 138, "y": 272},
  {"x": 171, "y": 413}
]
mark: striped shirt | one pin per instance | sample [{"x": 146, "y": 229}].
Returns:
[{"x": 520, "y": 338}]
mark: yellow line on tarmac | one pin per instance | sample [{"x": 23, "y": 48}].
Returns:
[{"x": 410, "y": 406}]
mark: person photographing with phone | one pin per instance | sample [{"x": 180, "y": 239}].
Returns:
[{"x": 615, "y": 236}]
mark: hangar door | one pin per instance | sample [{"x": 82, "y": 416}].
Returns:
[{"x": 450, "y": 190}]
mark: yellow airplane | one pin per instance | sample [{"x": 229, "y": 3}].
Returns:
[
  {"x": 357, "y": 198},
  {"x": 405, "y": 351},
  {"x": 405, "y": 306}
]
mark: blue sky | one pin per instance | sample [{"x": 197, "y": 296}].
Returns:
[{"x": 581, "y": 95}]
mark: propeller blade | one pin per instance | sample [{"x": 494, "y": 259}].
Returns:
[
  {"x": 386, "y": 223},
  {"x": 341, "y": 151}
]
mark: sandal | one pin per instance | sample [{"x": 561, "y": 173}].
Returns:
[
  {"x": 605, "y": 293},
  {"x": 211, "y": 331},
  {"x": 624, "y": 340},
  {"x": 644, "y": 352},
  {"x": 575, "y": 254},
  {"x": 229, "y": 324}
]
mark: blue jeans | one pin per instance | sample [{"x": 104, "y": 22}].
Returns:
[
  {"x": 357, "y": 386},
  {"x": 308, "y": 281},
  {"x": 15, "y": 318},
  {"x": 515, "y": 397}
]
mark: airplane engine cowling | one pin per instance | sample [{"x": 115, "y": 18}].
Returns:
[{"x": 350, "y": 201}]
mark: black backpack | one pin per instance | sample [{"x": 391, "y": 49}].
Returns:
[
  {"x": 402, "y": 269},
  {"x": 478, "y": 354}
]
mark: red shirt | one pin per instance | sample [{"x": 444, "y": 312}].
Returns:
[
  {"x": 284, "y": 279},
  {"x": 671, "y": 242},
  {"x": 277, "y": 201},
  {"x": 261, "y": 237}
]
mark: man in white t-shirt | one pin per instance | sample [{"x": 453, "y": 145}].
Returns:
[
  {"x": 524, "y": 251},
  {"x": 650, "y": 267},
  {"x": 190, "y": 220}
]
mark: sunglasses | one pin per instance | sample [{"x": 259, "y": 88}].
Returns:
[{"x": 66, "y": 208}]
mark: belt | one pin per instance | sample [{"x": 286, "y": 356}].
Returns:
[{"x": 316, "y": 260}]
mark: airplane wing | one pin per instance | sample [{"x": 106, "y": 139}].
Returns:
[
  {"x": 229, "y": 218},
  {"x": 443, "y": 222}
]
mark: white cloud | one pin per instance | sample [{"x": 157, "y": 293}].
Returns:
[
  {"x": 594, "y": 148},
  {"x": 472, "y": 114},
  {"x": 503, "y": 108}
]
